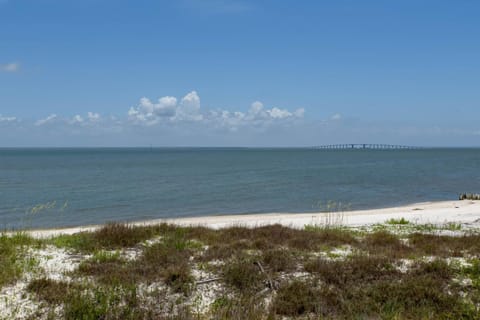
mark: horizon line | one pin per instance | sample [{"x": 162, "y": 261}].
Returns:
[{"x": 239, "y": 147}]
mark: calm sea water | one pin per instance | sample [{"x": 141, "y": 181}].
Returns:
[{"x": 63, "y": 187}]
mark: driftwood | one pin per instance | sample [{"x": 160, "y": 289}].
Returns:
[
  {"x": 270, "y": 282},
  {"x": 271, "y": 286},
  {"x": 208, "y": 280}
]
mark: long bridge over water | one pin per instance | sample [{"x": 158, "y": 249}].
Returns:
[{"x": 366, "y": 146}]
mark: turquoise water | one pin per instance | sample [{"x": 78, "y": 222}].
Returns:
[{"x": 89, "y": 186}]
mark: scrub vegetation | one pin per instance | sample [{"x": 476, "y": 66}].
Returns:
[{"x": 268, "y": 272}]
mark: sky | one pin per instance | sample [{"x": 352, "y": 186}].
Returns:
[{"x": 239, "y": 72}]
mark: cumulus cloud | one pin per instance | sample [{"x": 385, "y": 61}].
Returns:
[
  {"x": 176, "y": 121},
  {"x": 277, "y": 113},
  {"x": 184, "y": 115},
  {"x": 168, "y": 110},
  {"x": 256, "y": 107},
  {"x": 76, "y": 119},
  {"x": 168, "y": 120},
  {"x": 90, "y": 118},
  {"x": 257, "y": 111},
  {"x": 150, "y": 113},
  {"x": 93, "y": 117},
  {"x": 189, "y": 108},
  {"x": 10, "y": 67},
  {"x": 256, "y": 116}
]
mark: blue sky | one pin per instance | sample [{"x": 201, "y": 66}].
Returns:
[{"x": 239, "y": 73}]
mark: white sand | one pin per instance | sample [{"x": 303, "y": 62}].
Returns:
[
  {"x": 465, "y": 212},
  {"x": 15, "y": 300}
]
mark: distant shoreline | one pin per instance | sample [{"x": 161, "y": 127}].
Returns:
[{"x": 465, "y": 212}]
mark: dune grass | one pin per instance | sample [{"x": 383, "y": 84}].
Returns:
[
  {"x": 268, "y": 272},
  {"x": 401, "y": 221},
  {"x": 13, "y": 258}
]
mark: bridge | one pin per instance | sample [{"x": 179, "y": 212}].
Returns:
[{"x": 366, "y": 146}]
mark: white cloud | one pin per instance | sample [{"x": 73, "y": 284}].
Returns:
[
  {"x": 299, "y": 113},
  {"x": 93, "y": 117},
  {"x": 277, "y": 113},
  {"x": 51, "y": 118},
  {"x": 164, "y": 107},
  {"x": 168, "y": 111},
  {"x": 256, "y": 107},
  {"x": 76, "y": 119},
  {"x": 150, "y": 113},
  {"x": 257, "y": 116},
  {"x": 7, "y": 119},
  {"x": 10, "y": 67},
  {"x": 168, "y": 120},
  {"x": 174, "y": 121},
  {"x": 189, "y": 108}
]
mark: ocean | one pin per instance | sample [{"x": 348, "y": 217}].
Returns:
[{"x": 43, "y": 188}]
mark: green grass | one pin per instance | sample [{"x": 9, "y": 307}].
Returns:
[
  {"x": 13, "y": 258},
  {"x": 401, "y": 221},
  {"x": 472, "y": 272},
  {"x": 102, "y": 303},
  {"x": 111, "y": 236},
  {"x": 405, "y": 226},
  {"x": 452, "y": 226}
]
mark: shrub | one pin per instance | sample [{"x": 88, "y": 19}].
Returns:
[
  {"x": 243, "y": 275},
  {"x": 401, "y": 221}
]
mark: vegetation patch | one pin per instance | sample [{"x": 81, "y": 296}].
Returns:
[
  {"x": 13, "y": 257},
  {"x": 244, "y": 275},
  {"x": 296, "y": 298},
  {"x": 269, "y": 272},
  {"x": 113, "y": 235},
  {"x": 401, "y": 221},
  {"x": 437, "y": 245},
  {"x": 51, "y": 291},
  {"x": 385, "y": 243},
  {"x": 167, "y": 260}
]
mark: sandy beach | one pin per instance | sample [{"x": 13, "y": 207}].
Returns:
[{"x": 465, "y": 212}]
